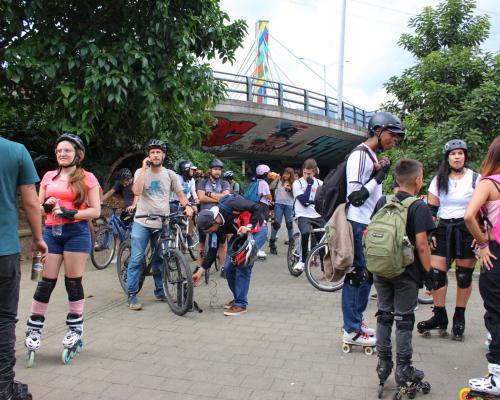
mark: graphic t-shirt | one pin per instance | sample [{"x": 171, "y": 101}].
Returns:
[
  {"x": 16, "y": 169},
  {"x": 155, "y": 197},
  {"x": 126, "y": 192},
  {"x": 188, "y": 187},
  {"x": 60, "y": 189}
]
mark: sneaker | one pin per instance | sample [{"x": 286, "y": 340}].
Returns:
[
  {"x": 261, "y": 254},
  {"x": 133, "y": 303},
  {"x": 359, "y": 339},
  {"x": 235, "y": 310},
  {"x": 286, "y": 242},
  {"x": 374, "y": 296},
  {"x": 229, "y": 305},
  {"x": 160, "y": 297},
  {"x": 369, "y": 331},
  {"x": 299, "y": 266}
]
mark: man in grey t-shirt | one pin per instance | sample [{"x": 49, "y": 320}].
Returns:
[{"x": 153, "y": 183}]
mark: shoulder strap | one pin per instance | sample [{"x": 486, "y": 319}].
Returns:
[
  {"x": 409, "y": 201},
  {"x": 494, "y": 182},
  {"x": 364, "y": 150},
  {"x": 474, "y": 179}
]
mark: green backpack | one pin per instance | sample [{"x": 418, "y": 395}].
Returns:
[{"x": 388, "y": 250}]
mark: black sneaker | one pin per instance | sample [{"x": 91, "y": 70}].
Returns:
[{"x": 16, "y": 391}]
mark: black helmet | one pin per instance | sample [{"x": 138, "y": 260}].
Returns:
[
  {"x": 71, "y": 137},
  {"x": 124, "y": 174},
  {"x": 454, "y": 144},
  {"x": 157, "y": 144},
  {"x": 385, "y": 120},
  {"x": 215, "y": 163},
  {"x": 242, "y": 250},
  {"x": 185, "y": 166},
  {"x": 228, "y": 174}
]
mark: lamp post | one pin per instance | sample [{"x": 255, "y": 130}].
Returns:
[{"x": 340, "y": 84}]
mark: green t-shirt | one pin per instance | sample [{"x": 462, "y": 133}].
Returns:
[{"x": 16, "y": 169}]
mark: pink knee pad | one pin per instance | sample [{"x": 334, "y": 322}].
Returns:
[{"x": 76, "y": 307}]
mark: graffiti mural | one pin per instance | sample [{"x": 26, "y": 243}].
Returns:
[
  {"x": 278, "y": 139},
  {"x": 226, "y": 132},
  {"x": 324, "y": 147}
]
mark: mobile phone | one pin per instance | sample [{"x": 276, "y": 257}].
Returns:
[{"x": 148, "y": 163}]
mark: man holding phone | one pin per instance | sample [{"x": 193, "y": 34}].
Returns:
[{"x": 153, "y": 183}]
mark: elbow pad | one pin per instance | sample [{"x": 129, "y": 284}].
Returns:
[
  {"x": 358, "y": 197},
  {"x": 434, "y": 210}
]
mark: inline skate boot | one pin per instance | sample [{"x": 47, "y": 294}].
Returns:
[
  {"x": 409, "y": 380},
  {"x": 33, "y": 337},
  {"x": 384, "y": 369},
  {"x": 438, "y": 321},
  {"x": 458, "y": 324},
  {"x": 272, "y": 247},
  {"x": 487, "y": 388},
  {"x": 72, "y": 341}
]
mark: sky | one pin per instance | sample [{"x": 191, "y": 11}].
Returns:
[{"x": 310, "y": 29}]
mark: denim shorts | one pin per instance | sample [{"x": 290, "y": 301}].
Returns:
[{"x": 75, "y": 238}]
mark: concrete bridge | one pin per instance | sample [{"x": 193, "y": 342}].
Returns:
[{"x": 286, "y": 124}]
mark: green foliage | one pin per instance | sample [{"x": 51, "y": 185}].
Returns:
[
  {"x": 453, "y": 89},
  {"x": 117, "y": 73}
]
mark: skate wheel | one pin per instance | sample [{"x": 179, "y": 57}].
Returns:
[
  {"x": 411, "y": 394},
  {"x": 380, "y": 391},
  {"x": 397, "y": 396},
  {"x": 79, "y": 349},
  {"x": 443, "y": 333},
  {"x": 66, "y": 356},
  {"x": 73, "y": 354},
  {"x": 30, "y": 359},
  {"x": 368, "y": 350},
  {"x": 426, "y": 387},
  {"x": 346, "y": 348},
  {"x": 464, "y": 394},
  {"x": 426, "y": 334}
]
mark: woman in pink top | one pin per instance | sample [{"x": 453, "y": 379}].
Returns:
[
  {"x": 69, "y": 197},
  {"x": 486, "y": 198}
]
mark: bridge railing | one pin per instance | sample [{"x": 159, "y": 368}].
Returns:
[{"x": 280, "y": 94}]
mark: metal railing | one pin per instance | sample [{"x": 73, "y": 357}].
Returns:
[{"x": 280, "y": 94}]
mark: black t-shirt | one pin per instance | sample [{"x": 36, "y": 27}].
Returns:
[{"x": 419, "y": 220}]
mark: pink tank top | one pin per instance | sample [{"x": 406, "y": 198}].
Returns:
[{"x": 492, "y": 209}]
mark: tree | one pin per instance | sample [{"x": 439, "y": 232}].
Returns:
[
  {"x": 116, "y": 72},
  {"x": 453, "y": 89}
]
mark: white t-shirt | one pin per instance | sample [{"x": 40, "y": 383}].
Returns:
[
  {"x": 263, "y": 190},
  {"x": 359, "y": 169},
  {"x": 454, "y": 203},
  {"x": 299, "y": 187},
  {"x": 188, "y": 187}
]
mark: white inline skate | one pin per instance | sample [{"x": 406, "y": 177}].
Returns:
[
  {"x": 72, "y": 341},
  {"x": 33, "y": 337},
  {"x": 487, "y": 388}
]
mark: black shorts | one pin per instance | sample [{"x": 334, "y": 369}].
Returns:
[{"x": 453, "y": 243}]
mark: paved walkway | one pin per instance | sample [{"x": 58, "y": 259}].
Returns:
[{"x": 286, "y": 347}]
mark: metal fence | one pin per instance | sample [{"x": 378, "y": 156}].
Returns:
[{"x": 279, "y": 94}]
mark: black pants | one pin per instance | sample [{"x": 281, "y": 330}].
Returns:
[
  {"x": 10, "y": 278},
  {"x": 489, "y": 287},
  {"x": 306, "y": 225}
]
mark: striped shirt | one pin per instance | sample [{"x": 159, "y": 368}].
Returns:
[{"x": 358, "y": 172}]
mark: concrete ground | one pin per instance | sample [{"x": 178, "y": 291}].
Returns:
[{"x": 288, "y": 345}]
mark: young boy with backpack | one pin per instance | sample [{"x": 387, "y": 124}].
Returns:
[{"x": 398, "y": 254}]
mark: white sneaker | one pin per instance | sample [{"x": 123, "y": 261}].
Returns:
[
  {"x": 359, "y": 339},
  {"x": 299, "y": 267},
  {"x": 489, "y": 384},
  {"x": 261, "y": 254},
  {"x": 366, "y": 329}
]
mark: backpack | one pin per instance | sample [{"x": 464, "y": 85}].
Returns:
[
  {"x": 388, "y": 250},
  {"x": 252, "y": 192},
  {"x": 334, "y": 189},
  {"x": 243, "y": 217},
  {"x": 495, "y": 227}
]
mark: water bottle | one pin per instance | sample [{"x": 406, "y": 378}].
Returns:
[
  {"x": 58, "y": 224},
  {"x": 37, "y": 267}
]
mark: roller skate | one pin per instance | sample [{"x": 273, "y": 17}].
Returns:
[
  {"x": 72, "y": 341},
  {"x": 384, "y": 369},
  {"x": 458, "y": 324},
  {"x": 409, "y": 380},
  {"x": 358, "y": 339},
  {"x": 261, "y": 255},
  {"x": 487, "y": 388},
  {"x": 272, "y": 247},
  {"x": 33, "y": 337},
  {"x": 438, "y": 321},
  {"x": 16, "y": 391}
]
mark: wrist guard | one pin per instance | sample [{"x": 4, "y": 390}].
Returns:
[
  {"x": 68, "y": 214},
  {"x": 47, "y": 207}
]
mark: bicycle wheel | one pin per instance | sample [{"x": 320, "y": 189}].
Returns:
[
  {"x": 423, "y": 298},
  {"x": 177, "y": 283},
  {"x": 293, "y": 254},
  {"x": 314, "y": 267},
  {"x": 122, "y": 260},
  {"x": 103, "y": 248}
]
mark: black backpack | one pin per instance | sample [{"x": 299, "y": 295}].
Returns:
[{"x": 333, "y": 192}]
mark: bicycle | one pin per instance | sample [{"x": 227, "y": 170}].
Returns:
[
  {"x": 175, "y": 272},
  {"x": 180, "y": 227},
  {"x": 293, "y": 252},
  {"x": 104, "y": 241}
]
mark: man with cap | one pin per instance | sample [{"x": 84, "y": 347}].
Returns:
[{"x": 238, "y": 216}]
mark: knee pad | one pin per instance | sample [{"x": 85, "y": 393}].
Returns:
[
  {"x": 74, "y": 288},
  {"x": 405, "y": 322},
  {"x": 464, "y": 277},
  {"x": 289, "y": 224},
  {"x": 276, "y": 226},
  {"x": 441, "y": 278},
  {"x": 44, "y": 290},
  {"x": 384, "y": 318}
]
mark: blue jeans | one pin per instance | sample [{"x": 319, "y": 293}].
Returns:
[
  {"x": 238, "y": 278},
  {"x": 355, "y": 298},
  {"x": 139, "y": 241},
  {"x": 281, "y": 210}
]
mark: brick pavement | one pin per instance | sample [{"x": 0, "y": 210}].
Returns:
[{"x": 286, "y": 347}]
